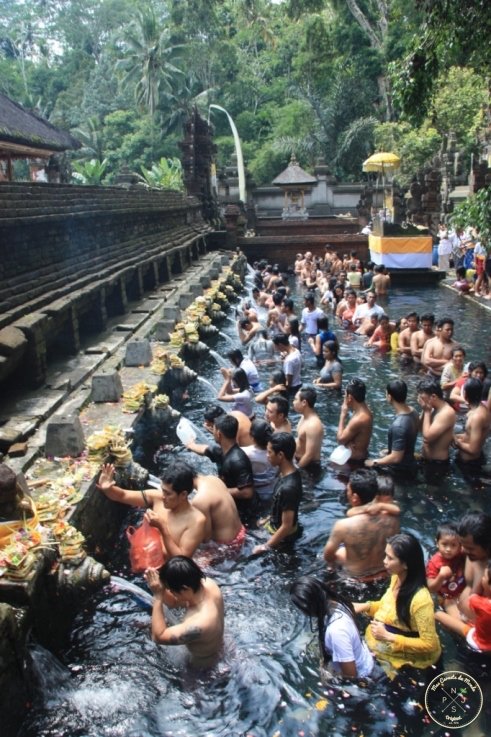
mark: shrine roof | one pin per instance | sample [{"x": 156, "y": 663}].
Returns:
[{"x": 294, "y": 175}]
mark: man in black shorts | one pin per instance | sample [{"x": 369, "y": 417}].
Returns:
[
  {"x": 287, "y": 494},
  {"x": 236, "y": 469}
]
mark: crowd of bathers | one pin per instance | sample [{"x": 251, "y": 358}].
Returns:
[{"x": 261, "y": 462}]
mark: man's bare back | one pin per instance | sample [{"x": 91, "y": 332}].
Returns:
[
  {"x": 213, "y": 500},
  {"x": 357, "y": 433},
  {"x": 310, "y": 432},
  {"x": 364, "y": 538}
]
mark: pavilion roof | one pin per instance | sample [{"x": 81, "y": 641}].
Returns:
[
  {"x": 294, "y": 175},
  {"x": 25, "y": 132}
]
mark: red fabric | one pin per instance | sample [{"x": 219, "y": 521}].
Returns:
[
  {"x": 482, "y": 608},
  {"x": 454, "y": 586}
]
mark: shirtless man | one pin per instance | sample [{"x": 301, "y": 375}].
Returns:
[
  {"x": 357, "y": 543},
  {"x": 438, "y": 351},
  {"x": 381, "y": 281},
  {"x": 475, "y": 537},
  {"x": 181, "y": 525},
  {"x": 404, "y": 343},
  {"x": 277, "y": 413},
  {"x": 223, "y": 523},
  {"x": 310, "y": 430},
  {"x": 470, "y": 443},
  {"x": 420, "y": 337},
  {"x": 181, "y": 583},
  {"x": 355, "y": 433},
  {"x": 437, "y": 421}
]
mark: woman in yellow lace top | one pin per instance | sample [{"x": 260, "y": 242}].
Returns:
[{"x": 402, "y": 630}]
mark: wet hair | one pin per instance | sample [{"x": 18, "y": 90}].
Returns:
[
  {"x": 277, "y": 377},
  {"x": 261, "y": 432},
  {"x": 446, "y": 528},
  {"x": 244, "y": 322},
  {"x": 461, "y": 271},
  {"x": 283, "y": 442},
  {"x": 478, "y": 364},
  {"x": 332, "y": 346},
  {"x": 486, "y": 387},
  {"x": 212, "y": 412},
  {"x": 255, "y": 289},
  {"x": 472, "y": 391},
  {"x": 357, "y": 389},
  {"x": 294, "y": 326},
  {"x": 408, "y": 549},
  {"x": 323, "y": 323},
  {"x": 385, "y": 484},
  {"x": 412, "y": 314},
  {"x": 427, "y": 317},
  {"x": 228, "y": 425},
  {"x": 363, "y": 482},
  {"x": 397, "y": 389},
  {"x": 235, "y": 356},
  {"x": 277, "y": 298},
  {"x": 447, "y": 321},
  {"x": 458, "y": 349},
  {"x": 282, "y": 404},
  {"x": 181, "y": 572},
  {"x": 310, "y": 298},
  {"x": 180, "y": 476},
  {"x": 308, "y": 394},
  {"x": 288, "y": 303},
  {"x": 319, "y": 601},
  {"x": 478, "y": 525},
  {"x": 239, "y": 378},
  {"x": 281, "y": 339},
  {"x": 430, "y": 386}
]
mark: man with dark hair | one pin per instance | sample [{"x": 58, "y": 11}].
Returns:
[
  {"x": 292, "y": 363},
  {"x": 181, "y": 583},
  {"x": 356, "y": 433},
  {"x": 474, "y": 531},
  {"x": 402, "y": 433},
  {"x": 310, "y": 315},
  {"x": 470, "y": 443},
  {"x": 236, "y": 469},
  {"x": 310, "y": 430},
  {"x": 404, "y": 341},
  {"x": 437, "y": 421},
  {"x": 438, "y": 351},
  {"x": 182, "y": 526},
  {"x": 287, "y": 493},
  {"x": 380, "y": 281},
  {"x": 238, "y": 360},
  {"x": 422, "y": 336},
  {"x": 276, "y": 413},
  {"x": 357, "y": 543}
]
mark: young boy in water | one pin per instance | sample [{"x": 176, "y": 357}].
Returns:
[
  {"x": 445, "y": 569},
  {"x": 478, "y": 633}
]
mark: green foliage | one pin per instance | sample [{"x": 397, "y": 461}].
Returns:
[
  {"x": 475, "y": 212},
  {"x": 89, "y": 172},
  {"x": 415, "y": 146},
  {"x": 166, "y": 174},
  {"x": 459, "y": 104}
]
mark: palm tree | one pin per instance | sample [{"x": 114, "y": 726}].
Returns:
[{"x": 148, "y": 59}]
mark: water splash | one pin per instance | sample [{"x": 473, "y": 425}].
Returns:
[
  {"x": 221, "y": 361},
  {"x": 207, "y": 383},
  {"x": 140, "y": 595},
  {"x": 49, "y": 674},
  {"x": 226, "y": 337}
]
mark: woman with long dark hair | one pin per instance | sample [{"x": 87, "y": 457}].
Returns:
[
  {"x": 402, "y": 631},
  {"x": 342, "y": 648},
  {"x": 331, "y": 374}
]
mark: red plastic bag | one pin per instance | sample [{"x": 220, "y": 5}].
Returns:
[{"x": 145, "y": 547}]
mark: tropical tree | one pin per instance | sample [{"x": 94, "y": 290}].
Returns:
[
  {"x": 149, "y": 59},
  {"x": 166, "y": 174},
  {"x": 89, "y": 172}
]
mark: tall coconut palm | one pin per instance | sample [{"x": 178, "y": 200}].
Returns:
[{"x": 148, "y": 59}]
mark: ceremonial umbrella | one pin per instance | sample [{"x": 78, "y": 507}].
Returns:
[{"x": 382, "y": 163}]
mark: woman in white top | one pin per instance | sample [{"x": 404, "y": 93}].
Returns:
[
  {"x": 264, "y": 474},
  {"x": 236, "y": 389},
  {"x": 343, "y": 650}
]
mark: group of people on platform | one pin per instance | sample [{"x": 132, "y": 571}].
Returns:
[{"x": 261, "y": 464}]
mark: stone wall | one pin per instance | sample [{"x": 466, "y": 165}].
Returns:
[{"x": 72, "y": 256}]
